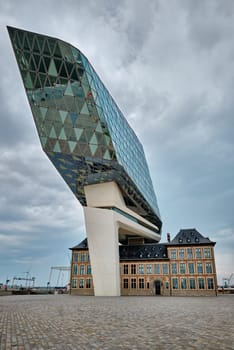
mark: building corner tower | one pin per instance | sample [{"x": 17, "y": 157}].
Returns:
[{"x": 87, "y": 138}]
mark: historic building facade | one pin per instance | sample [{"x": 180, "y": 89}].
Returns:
[{"x": 183, "y": 266}]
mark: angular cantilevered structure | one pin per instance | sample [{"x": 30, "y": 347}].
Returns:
[{"x": 87, "y": 138}]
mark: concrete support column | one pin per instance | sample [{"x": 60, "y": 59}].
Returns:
[{"x": 102, "y": 234}]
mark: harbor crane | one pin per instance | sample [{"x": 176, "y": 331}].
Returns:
[
  {"x": 228, "y": 282},
  {"x": 60, "y": 274}
]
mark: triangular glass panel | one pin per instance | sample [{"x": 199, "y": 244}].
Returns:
[
  {"x": 28, "y": 81},
  {"x": 26, "y": 43},
  {"x": 57, "y": 147},
  {"x": 94, "y": 94},
  {"x": 84, "y": 109},
  {"x": 53, "y": 133},
  {"x": 63, "y": 115},
  {"x": 57, "y": 52},
  {"x": 107, "y": 138},
  {"x": 57, "y": 127},
  {"x": 99, "y": 127},
  {"x": 77, "y": 89},
  {"x": 73, "y": 117},
  {"x": 62, "y": 135},
  {"x": 46, "y": 49},
  {"x": 72, "y": 145},
  {"x": 43, "y": 140},
  {"x": 35, "y": 45},
  {"x": 89, "y": 134},
  {"x": 43, "y": 112},
  {"x": 17, "y": 41},
  {"x": 63, "y": 71},
  {"x": 51, "y": 43},
  {"x": 93, "y": 139},
  {"x": 69, "y": 67},
  {"x": 42, "y": 66},
  {"x": 32, "y": 64},
  {"x": 40, "y": 39},
  {"x": 47, "y": 62},
  {"x": 78, "y": 133},
  {"x": 68, "y": 90},
  {"x": 58, "y": 64},
  {"x": 79, "y": 103},
  {"x": 48, "y": 126},
  {"x": 107, "y": 155},
  {"x": 42, "y": 79},
  {"x": 36, "y": 60},
  {"x": 52, "y": 69},
  {"x": 93, "y": 149},
  {"x": 80, "y": 72},
  {"x": 86, "y": 89},
  {"x": 74, "y": 75}
]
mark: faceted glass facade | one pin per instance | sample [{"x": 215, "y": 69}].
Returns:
[{"x": 81, "y": 128}]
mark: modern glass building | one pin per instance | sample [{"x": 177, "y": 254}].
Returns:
[{"x": 81, "y": 129}]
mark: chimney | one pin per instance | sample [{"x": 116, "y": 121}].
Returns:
[{"x": 168, "y": 237}]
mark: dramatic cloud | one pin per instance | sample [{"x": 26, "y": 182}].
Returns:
[{"x": 169, "y": 66}]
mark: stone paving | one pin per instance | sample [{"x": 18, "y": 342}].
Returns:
[{"x": 51, "y": 322}]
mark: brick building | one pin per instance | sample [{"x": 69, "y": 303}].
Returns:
[{"x": 183, "y": 266}]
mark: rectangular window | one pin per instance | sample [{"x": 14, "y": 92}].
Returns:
[
  {"x": 208, "y": 267},
  {"x": 183, "y": 283},
  {"x": 210, "y": 283},
  {"x": 125, "y": 269},
  {"x": 88, "y": 283},
  {"x": 181, "y": 253},
  {"x": 133, "y": 269},
  {"x": 89, "y": 270},
  {"x": 191, "y": 268},
  {"x": 201, "y": 284},
  {"x": 83, "y": 256},
  {"x": 148, "y": 268},
  {"x": 125, "y": 283},
  {"x": 199, "y": 268},
  {"x": 81, "y": 269},
  {"x": 81, "y": 283},
  {"x": 175, "y": 283},
  {"x": 141, "y": 269},
  {"x": 74, "y": 283},
  {"x": 141, "y": 283},
  {"x": 190, "y": 253},
  {"x": 192, "y": 284},
  {"x": 174, "y": 268},
  {"x": 182, "y": 268},
  {"x": 207, "y": 253},
  {"x": 157, "y": 269},
  {"x": 198, "y": 253},
  {"x": 173, "y": 254},
  {"x": 165, "y": 269},
  {"x": 75, "y": 270},
  {"x": 133, "y": 283},
  {"x": 75, "y": 257}
]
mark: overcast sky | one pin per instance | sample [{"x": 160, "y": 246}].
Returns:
[{"x": 170, "y": 67}]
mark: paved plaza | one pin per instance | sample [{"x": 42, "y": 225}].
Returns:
[{"x": 34, "y": 322}]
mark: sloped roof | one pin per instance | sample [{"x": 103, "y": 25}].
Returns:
[
  {"x": 190, "y": 237},
  {"x": 143, "y": 252},
  {"x": 82, "y": 245}
]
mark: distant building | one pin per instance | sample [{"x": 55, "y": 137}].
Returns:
[{"x": 184, "y": 266}]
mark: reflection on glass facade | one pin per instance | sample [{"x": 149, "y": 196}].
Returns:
[{"x": 81, "y": 128}]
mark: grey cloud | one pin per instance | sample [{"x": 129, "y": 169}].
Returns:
[{"x": 169, "y": 67}]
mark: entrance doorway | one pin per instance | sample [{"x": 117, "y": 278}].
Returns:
[{"x": 157, "y": 287}]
